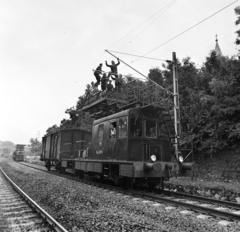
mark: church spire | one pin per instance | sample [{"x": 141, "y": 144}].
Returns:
[{"x": 217, "y": 48}]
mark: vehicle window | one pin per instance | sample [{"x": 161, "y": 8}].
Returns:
[
  {"x": 136, "y": 127},
  {"x": 113, "y": 130},
  {"x": 122, "y": 127},
  {"x": 151, "y": 129},
  {"x": 100, "y": 132},
  {"x": 162, "y": 129}
]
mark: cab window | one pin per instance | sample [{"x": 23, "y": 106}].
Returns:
[
  {"x": 150, "y": 129},
  {"x": 136, "y": 127},
  {"x": 162, "y": 129},
  {"x": 122, "y": 127},
  {"x": 100, "y": 132},
  {"x": 112, "y": 130}
]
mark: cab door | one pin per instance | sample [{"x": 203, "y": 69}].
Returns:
[
  {"x": 112, "y": 139},
  {"x": 99, "y": 151}
]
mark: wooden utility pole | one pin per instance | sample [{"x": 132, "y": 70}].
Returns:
[{"x": 176, "y": 105}]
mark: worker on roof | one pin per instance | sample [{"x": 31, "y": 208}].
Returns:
[
  {"x": 113, "y": 67},
  {"x": 104, "y": 82},
  {"x": 97, "y": 73},
  {"x": 110, "y": 86},
  {"x": 118, "y": 82}
]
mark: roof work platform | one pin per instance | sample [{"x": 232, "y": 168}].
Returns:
[{"x": 132, "y": 94}]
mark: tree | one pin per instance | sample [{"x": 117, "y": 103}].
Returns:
[
  {"x": 7, "y": 147},
  {"x": 209, "y": 101},
  {"x": 36, "y": 146},
  {"x": 89, "y": 92},
  {"x": 52, "y": 129},
  {"x": 225, "y": 110},
  {"x": 237, "y": 11},
  {"x": 6, "y": 151},
  {"x": 214, "y": 110},
  {"x": 156, "y": 75}
]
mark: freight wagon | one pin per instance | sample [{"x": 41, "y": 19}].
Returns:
[
  {"x": 18, "y": 154},
  {"x": 64, "y": 144}
]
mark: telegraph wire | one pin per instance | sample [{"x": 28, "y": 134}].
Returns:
[
  {"x": 162, "y": 9},
  {"x": 143, "y": 56},
  {"x": 166, "y": 8},
  {"x": 186, "y": 30},
  {"x": 141, "y": 24}
]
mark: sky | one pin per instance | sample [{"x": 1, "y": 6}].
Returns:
[{"x": 48, "y": 49}]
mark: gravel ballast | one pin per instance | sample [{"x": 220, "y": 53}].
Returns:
[{"x": 79, "y": 207}]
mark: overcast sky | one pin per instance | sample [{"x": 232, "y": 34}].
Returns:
[{"x": 48, "y": 49}]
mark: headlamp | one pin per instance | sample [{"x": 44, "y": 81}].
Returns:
[
  {"x": 153, "y": 158},
  {"x": 180, "y": 158}
]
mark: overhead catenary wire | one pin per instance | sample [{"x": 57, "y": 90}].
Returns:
[
  {"x": 163, "y": 11},
  {"x": 159, "y": 45},
  {"x": 185, "y": 31},
  {"x": 143, "y": 56},
  {"x": 68, "y": 89},
  {"x": 142, "y": 24}
]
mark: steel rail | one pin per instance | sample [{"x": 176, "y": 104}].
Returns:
[
  {"x": 194, "y": 207},
  {"x": 52, "y": 222},
  {"x": 203, "y": 199},
  {"x": 153, "y": 197}
]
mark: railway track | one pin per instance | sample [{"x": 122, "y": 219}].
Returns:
[
  {"x": 207, "y": 200},
  {"x": 202, "y": 207},
  {"x": 18, "y": 212}
]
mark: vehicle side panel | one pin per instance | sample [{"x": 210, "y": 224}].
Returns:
[
  {"x": 58, "y": 150},
  {"x": 88, "y": 166},
  {"x": 78, "y": 143},
  {"x": 126, "y": 170},
  {"x": 47, "y": 148},
  {"x": 135, "y": 149},
  {"x": 120, "y": 149},
  {"x": 166, "y": 150},
  {"x": 66, "y": 144}
]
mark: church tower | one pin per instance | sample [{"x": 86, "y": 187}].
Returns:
[{"x": 217, "y": 48}]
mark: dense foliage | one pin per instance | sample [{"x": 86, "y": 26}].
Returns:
[
  {"x": 35, "y": 146},
  {"x": 6, "y": 147},
  {"x": 209, "y": 100},
  {"x": 237, "y": 11}
]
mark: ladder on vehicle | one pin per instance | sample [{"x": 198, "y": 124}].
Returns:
[{"x": 169, "y": 125}]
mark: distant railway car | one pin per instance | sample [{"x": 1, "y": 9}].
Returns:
[
  {"x": 18, "y": 154},
  {"x": 64, "y": 144}
]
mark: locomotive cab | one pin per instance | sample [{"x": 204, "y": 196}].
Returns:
[{"x": 134, "y": 144}]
